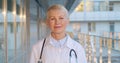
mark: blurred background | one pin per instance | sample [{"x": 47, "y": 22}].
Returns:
[{"x": 95, "y": 24}]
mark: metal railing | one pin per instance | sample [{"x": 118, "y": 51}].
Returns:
[{"x": 100, "y": 49}]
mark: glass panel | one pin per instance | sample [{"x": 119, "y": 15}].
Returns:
[
  {"x": 11, "y": 37},
  {"x": 5, "y": 34},
  {"x": 2, "y": 55}
]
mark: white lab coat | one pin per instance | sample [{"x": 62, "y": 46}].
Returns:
[{"x": 53, "y": 54}]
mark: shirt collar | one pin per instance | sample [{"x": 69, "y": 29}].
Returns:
[
  {"x": 68, "y": 41},
  {"x": 58, "y": 43}
]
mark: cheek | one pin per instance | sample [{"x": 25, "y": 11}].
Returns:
[
  {"x": 65, "y": 24},
  {"x": 51, "y": 26}
]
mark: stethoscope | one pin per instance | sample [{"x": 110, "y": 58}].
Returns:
[{"x": 70, "y": 53}]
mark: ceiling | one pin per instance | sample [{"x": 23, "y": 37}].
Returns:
[
  {"x": 10, "y": 5},
  {"x": 69, "y": 4},
  {"x": 44, "y": 4}
]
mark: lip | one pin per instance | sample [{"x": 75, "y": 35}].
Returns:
[{"x": 57, "y": 26}]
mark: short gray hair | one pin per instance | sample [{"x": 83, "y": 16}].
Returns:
[{"x": 57, "y": 7}]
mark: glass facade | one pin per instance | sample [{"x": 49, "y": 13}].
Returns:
[
  {"x": 94, "y": 5},
  {"x": 22, "y": 26},
  {"x": 13, "y": 38}
]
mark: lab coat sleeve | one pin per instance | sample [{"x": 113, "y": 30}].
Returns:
[{"x": 32, "y": 57}]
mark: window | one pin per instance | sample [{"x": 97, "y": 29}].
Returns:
[
  {"x": 96, "y": 6},
  {"x": 111, "y": 26},
  {"x": 111, "y": 7},
  {"x": 12, "y": 27},
  {"x": 91, "y": 27},
  {"x": 103, "y": 6},
  {"x": 85, "y": 6},
  {"x": 112, "y": 30}
]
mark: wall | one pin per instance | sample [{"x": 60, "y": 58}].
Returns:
[
  {"x": 117, "y": 26},
  {"x": 95, "y": 16},
  {"x": 10, "y": 36},
  {"x": 84, "y": 27},
  {"x": 102, "y": 27}
]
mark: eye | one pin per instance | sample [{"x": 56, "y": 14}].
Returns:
[
  {"x": 51, "y": 19},
  {"x": 61, "y": 18}
]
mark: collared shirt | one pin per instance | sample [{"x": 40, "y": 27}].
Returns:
[
  {"x": 55, "y": 52},
  {"x": 58, "y": 43}
]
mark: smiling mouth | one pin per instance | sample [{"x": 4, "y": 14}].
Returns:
[{"x": 57, "y": 26}]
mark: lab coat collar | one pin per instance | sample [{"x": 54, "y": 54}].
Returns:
[{"x": 69, "y": 43}]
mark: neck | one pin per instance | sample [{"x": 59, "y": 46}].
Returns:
[{"x": 58, "y": 36}]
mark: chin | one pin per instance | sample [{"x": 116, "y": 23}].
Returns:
[{"x": 58, "y": 32}]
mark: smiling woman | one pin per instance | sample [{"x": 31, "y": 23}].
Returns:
[{"x": 58, "y": 47}]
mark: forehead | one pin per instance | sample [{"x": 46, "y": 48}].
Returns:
[{"x": 56, "y": 12}]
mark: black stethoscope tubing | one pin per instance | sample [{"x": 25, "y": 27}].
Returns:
[
  {"x": 70, "y": 54},
  {"x": 72, "y": 50},
  {"x": 40, "y": 61}
]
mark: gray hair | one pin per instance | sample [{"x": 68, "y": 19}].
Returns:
[{"x": 57, "y": 7}]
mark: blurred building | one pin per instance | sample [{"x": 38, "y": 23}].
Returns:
[{"x": 97, "y": 16}]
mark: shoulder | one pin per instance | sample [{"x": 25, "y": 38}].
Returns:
[
  {"x": 73, "y": 44},
  {"x": 79, "y": 49},
  {"x": 77, "y": 45},
  {"x": 37, "y": 46}
]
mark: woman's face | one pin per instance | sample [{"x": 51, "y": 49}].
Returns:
[{"x": 57, "y": 20}]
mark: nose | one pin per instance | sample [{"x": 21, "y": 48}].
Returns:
[{"x": 57, "y": 21}]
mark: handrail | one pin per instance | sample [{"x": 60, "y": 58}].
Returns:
[
  {"x": 101, "y": 36},
  {"x": 96, "y": 47}
]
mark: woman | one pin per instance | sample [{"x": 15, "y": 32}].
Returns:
[{"x": 56, "y": 47}]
